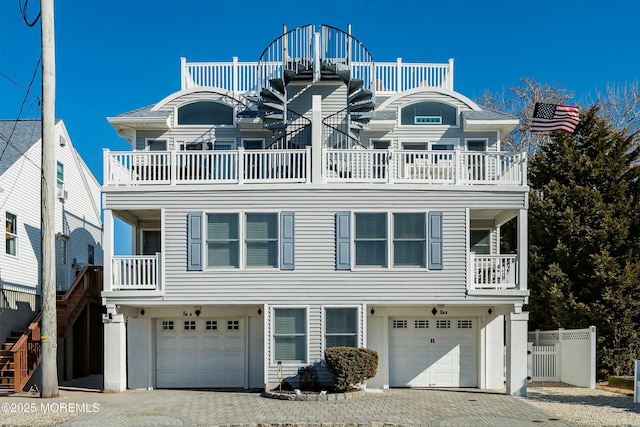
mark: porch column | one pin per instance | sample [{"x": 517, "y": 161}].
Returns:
[
  {"x": 115, "y": 351},
  {"x": 517, "y": 353},
  {"x": 523, "y": 249},
  {"x": 316, "y": 139},
  {"x": 107, "y": 247}
]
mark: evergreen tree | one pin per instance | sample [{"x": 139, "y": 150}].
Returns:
[{"x": 584, "y": 235}]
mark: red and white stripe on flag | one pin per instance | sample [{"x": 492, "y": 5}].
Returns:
[{"x": 550, "y": 117}]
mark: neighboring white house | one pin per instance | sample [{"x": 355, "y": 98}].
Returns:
[
  {"x": 310, "y": 199},
  {"x": 78, "y": 222}
]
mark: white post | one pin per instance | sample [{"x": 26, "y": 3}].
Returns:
[
  {"x": 107, "y": 246},
  {"x": 592, "y": 344},
  {"x": 450, "y": 75},
  {"x": 636, "y": 383},
  {"x": 399, "y": 75},
  {"x": 523, "y": 248},
  {"x": 316, "y": 57},
  {"x": 517, "y": 353},
  {"x": 391, "y": 162},
  {"x": 240, "y": 163},
  {"x": 173, "y": 167},
  {"x": 105, "y": 166},
  {"x": 235, "y": 75},
  {"x": 316, "y": 139},
  {"x": 183, "y": 72},
  {"x": 115, "y": 351}
]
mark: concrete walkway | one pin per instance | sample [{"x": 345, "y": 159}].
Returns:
[{"x": 396, "y": 407}]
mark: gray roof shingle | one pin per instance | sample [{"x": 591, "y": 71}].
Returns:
[{"x": 25, "y": 135}]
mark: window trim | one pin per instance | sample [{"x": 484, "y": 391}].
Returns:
[
  {"x": 242, "y": 241},
  {"x": 428, "y": 125},
  {"x": 485, "y": 140},
  {"x": 262, "y": 140},
  {"x": 425, "y": 240},
  {"x": 60, "y": 181},
  {"x": 323, "y": 308},
  {"x": 387, "y": 265},
  {"x": 204, "y": 126},
  {"x": 13, "y": 235},
  {"x": 148, "y": 141},
  {"x": 272, "y": 337},
  {"x": 390, "y": 264}
]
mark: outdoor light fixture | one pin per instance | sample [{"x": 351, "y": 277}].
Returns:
[
  {"x": 198, "y": 310},
  {"x": 372, "y": 311},
  {"x": 259, "y": 311},
  {"x": 142, "y": 312}
]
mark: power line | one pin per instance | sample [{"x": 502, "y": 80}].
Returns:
[
  {"x": 19, "y": 85},
  {"x": 23, "y": 11},
  {"x": 24, "y": 100}
]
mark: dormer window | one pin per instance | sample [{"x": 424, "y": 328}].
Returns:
[
  {"x": 205, "y": 113},
  {"x": 429, "y": 113}
]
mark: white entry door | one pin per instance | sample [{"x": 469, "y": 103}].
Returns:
[
  {"x": 200, "y": 353},
  {"x": 433, "y": 352}
]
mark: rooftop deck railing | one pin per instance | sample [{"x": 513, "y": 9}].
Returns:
[
  {"x": 246, "y": 77},
  {"x": 455, "y": 167}
]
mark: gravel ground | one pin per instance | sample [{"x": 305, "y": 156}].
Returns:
[{"x": 585, "y": 407}]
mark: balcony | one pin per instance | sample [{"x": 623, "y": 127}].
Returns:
[
  {"x": 456, "y": 167},
  {"x": 493, "y": 272},
  {"x": 387, "y": 78},
  {"x": 136, "y": 272}
]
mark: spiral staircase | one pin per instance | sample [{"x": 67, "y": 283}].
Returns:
[{"x": 305, "y": 56}]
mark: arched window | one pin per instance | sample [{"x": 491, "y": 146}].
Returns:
[
  {"x": 205, "y": 113},
  {"x": 429, "y": 113}
]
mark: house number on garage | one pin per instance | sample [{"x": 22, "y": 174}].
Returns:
[{"x": 432, "y": 340}]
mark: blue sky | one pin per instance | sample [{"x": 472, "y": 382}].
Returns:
[{"x": 118, "y": 55}]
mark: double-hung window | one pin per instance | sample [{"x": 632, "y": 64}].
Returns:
[
  {"x": 290, "y": 335},
  {"x": 381, "y": 239},
  {"x": 341, "y": 327},
  {"x": 242, "y": 240},
  {"x": 261, "y": 240},
  {"x": 409, "y": 240},
  {"x": 222, "y": 240},
  {"x": 371, "y": 239},
  {"x": 11, "y": 236}
]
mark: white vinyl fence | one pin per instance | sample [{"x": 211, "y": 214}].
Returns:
[{"x": 566, "y": 355}]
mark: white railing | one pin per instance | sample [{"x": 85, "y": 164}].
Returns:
[
  {"x": 136, "y": 272},
  {"x": 213, "y": 167},
  {"x": 422, "y": 166},
  {"x": 388, "y": 77},
  {"x": 494, "y": 271}
]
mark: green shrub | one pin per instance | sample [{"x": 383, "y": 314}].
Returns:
[{"x": 350, "y": 366}]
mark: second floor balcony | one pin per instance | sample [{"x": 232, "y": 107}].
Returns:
[{"x": 269, "y": 166}]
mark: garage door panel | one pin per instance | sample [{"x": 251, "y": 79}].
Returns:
[
  {"x": 436, "y": 353},
  {"x": 203, "y": 355}
]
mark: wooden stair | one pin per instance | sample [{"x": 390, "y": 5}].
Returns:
[{"x": 21, "y": 354}]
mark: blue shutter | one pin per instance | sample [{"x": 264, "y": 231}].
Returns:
[
  {"x": 194, "y": 242},
  {"x": 435, "y": 241},
  {"x": 287, "y": 240},
  {"x": 343, "y": 240}
]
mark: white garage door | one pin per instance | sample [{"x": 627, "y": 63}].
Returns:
[
  {"x": 194, "y": 353},
  {"x": 433, "y": 353}
]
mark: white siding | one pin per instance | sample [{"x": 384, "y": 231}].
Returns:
[{"x": 315, "y": 278}]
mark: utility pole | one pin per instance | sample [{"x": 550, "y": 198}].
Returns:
[{"x": 48, "y": 187}]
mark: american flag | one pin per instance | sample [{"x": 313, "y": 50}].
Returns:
[{"x": 550, "y": 117}]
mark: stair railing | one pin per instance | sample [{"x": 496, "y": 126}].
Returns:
[
  {"x": 285, "y": 53},
  {"x": 335, "y": 130},
  {"x": 339, "y": 47},
  {"x": 296, "y": 133},
  {"x": 26, "y": 354},
  {"x": 87, "y": 284}
]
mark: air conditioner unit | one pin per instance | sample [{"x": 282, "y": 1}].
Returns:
[{"x": 62, "y": 194}]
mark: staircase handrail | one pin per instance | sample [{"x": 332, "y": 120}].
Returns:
[
  {"x": 295, "y": 43},
  {"x": 26, "y": 354},
  {"x": 327, "y": 121},
  {"x": 354, "y": 51},
  {"x": 87, "y": 283},
  {"x": 293, "y": 127}
]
